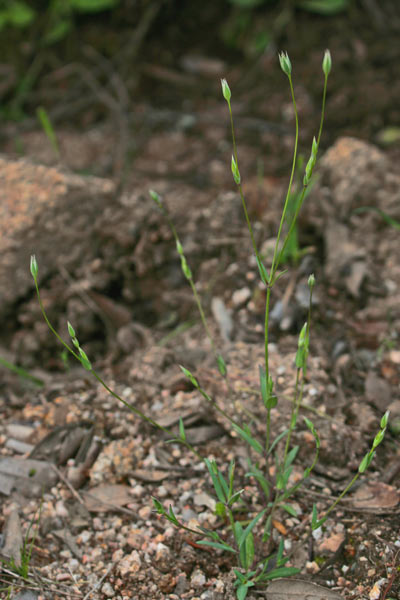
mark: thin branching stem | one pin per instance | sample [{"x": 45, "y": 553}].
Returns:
[
  {"x": 301, "y": 200},
  {"x": 246, "y": 214},
  {"x": 132, "y": 408},
  {"x": 275, "y": 262}
]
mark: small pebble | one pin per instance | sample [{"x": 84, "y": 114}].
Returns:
[
  {"x": 198, "y": 579},
  {"x": 240, "y": 297},
  {"x": 108, "y": 590}
]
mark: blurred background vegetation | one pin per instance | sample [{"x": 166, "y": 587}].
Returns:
[{"x": 38, "y": 37}]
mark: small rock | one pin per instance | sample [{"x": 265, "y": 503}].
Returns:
[
  {"x": 130, "y": 563},
  {"x": 240, "y": 297},
  {"x": 108, "y": 590},
  {"x": 223, "y": 317},
  {"x": 19, "y": 447},
  {"x": 181, "y": 585},
  {"x": 198, "y": 579},
  {"x": 163, "y": 558},
  {"x": 19, "y": 432}
]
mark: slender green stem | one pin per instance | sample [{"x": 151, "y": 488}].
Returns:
[
  {"x": 192, "y": 285},
  {"x": 266, "y": 355},
  {"x": 246, "y": 214},
  {"x": 296, "y": 486},
  {"x": 338, "y": 499},
  {"x": 295, "y": 411},
  {"x": 21, "y": 372},
  {"x": 300, "y": 203},
  {"x": 132, "y": 408},
  {"x": 275, "y": 263},
  {"x": 322, "y": 110},
  {"x": 202, "y": 316}
]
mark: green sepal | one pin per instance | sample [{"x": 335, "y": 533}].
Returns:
[
  {"x": 189, "y": 375},
  {"x": 221, "y": 365},
  {"x": 84, "y": 360},
  {"x": 263, "y": 271},
  {"x": 366, "y": 461}
]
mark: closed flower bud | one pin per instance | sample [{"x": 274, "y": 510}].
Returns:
[
  {"x": 327, "y": 63},
  {"x": 235, "y": 171},
  {"x": 286, "y": 65},
  {"x": 71, "y": 330},
  {"x": 314, "y": 148},
  {"x": 226, "y": 92},
  {"x": 154, "y": 196},
  {"x": 34, "y": 267},
  {"x": 311, "y": 281},
  {"x": 84, "y": 360}
]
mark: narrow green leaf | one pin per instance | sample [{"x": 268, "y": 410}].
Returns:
[
  {"x": 263, "y": 272},
  {"x": 291, "y": 456},
  {"x": 231, "y": 476},
  {"x": 48, "y": 128},
  {"x": 182, "y": 433},
  {"x": 249, "y": 546},
  {"x": 250, "y": 527},
  {"x": 242, "y": 590},
  {"x": 278, "y": 439},
  {"x": 247, "y": 437},
  {"x": 289, "y": 509},
  {"x": 235, "y": 497},
  {"x": 279, "y": 572},
  {"x": 213, "y": 470},
  {"x": 158, "y": 506},
  {"x": 218, "y": 545},
  {"x": 314, "y": 517}
]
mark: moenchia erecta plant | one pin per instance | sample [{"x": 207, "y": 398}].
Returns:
[{"x": 258, "y": 558}]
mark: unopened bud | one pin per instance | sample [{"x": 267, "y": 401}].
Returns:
[
  {"x": 235, "y": 171},
  {"x": 154, "y": 196},
  {"x": 34, "y": 267},
  {"x": 327, "y": 63},
  {"x": 71, "y": 330},
  {"x": 314, "y": 148},
  {"x": 286, "y": 65},
  {"x": 226, "y": 92}
]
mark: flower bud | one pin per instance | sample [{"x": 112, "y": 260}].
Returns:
[
  {"x": 314, "y": 148},
  {"x": 286, "y": 65},
  {"x": 84, "y": 360},
  {"x": 226, "y": 92},
  {"x": 154, "y": 196},
  {"x": 71, "y": 330},
  {"x": 311, "y": 281},
  {"x": 235, "y": 171},
  {"x": 385, "y": 418},
  {"x": 179, "y": 248},
  {"x": 327, "y": 63},
  {"x": 34, "y": 267}
]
